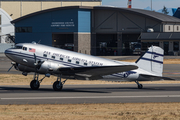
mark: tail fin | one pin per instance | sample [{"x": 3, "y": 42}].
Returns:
[{"x": 152, "y": 60}]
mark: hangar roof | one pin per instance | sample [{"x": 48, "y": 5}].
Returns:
[
  {"x": 57, "y": 0},
  {"x": 149, "y": 14},
  {"x": 160, "y": 36}
]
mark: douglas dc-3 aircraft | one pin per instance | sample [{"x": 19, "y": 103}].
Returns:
[{"x": 41, "y": 59}]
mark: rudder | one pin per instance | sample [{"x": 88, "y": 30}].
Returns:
[{"x": 152, "y": 60}]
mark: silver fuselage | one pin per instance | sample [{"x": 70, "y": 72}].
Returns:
[{"x": 55, "y": 58}]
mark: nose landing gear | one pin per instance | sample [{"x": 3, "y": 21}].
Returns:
[{"x": 35, "y": 83}]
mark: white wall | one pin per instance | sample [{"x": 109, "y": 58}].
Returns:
[
  {"x": 173, "y": 28},
  {"x": 6, "y": 26},
  {"x": 4, "y": 46}
]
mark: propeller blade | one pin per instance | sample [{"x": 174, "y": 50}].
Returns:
[
  {"x": 10, "y": 68},
  {"x": 35, "y": 63}
]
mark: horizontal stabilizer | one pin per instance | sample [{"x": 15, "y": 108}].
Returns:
[{"x": 151, "y": 77}]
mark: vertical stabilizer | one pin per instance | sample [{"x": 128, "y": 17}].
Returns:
[{"x": 152, "y": 60}]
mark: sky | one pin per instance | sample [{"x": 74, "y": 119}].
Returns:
[{"x": 141, "y": 4}]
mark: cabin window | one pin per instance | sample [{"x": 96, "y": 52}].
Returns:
[
  {"x": 25, "y": 48},
  {"x": 77, "y": 62},
  {"x": 61, "y": 58},
  {"x": 85, "y": 64},
  {"x": 53, "y": 57},
  {"x": 44, "y": 55},
  {"x": 177, "y": 28},
  {"x": 69, "y": 60}
]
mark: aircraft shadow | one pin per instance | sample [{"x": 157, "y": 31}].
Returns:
[{"x": 11, "y": 89}]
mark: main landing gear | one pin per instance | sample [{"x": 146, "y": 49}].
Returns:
[
  {"x": 140, "y": 86},
  {"x": 35, "y": 83},
  {"x": 58, "y": 85}
]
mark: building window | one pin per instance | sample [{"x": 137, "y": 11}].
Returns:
[
  {"x": 169, "y": 27},
  {"x": 177, "y": 28},
  {"x": 176, "y": 46},
  {"x": 23, "y": 29}
]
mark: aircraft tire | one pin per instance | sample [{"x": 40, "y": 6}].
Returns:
[
  {"x": 33, "y": 85},
  {"x": 56, "y": 86},
  {"x": 140, "y": 86}
]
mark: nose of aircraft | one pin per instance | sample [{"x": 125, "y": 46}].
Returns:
[{"x": 6, "y": 52}]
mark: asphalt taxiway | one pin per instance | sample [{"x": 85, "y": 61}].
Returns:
[
  {"x": 70, "y": 94},
  {"x": 75, "y": 94}
]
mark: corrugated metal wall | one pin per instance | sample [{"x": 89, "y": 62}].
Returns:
[
  {"x": 4, "y": 46},
  {"x": 60, "y": 21}
]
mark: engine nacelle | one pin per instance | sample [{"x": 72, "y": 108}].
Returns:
[
  {"x": 45, "y": 67},
  {"x": 24, "y": 68},
  {"x": 48, "y": 67}
]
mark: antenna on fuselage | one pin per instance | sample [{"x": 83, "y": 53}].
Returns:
[{"x": 39, "y": 41}]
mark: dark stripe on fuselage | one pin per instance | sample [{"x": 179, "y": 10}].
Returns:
[
  {"x": 62, "y": 62},
  {"x": 152, "y": 60},
  {"x": 40, "y": 58}
]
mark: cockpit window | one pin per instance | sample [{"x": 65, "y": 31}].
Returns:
[
  {"x": 25, "y": 48},
  {"x": 18, "y": 47}
]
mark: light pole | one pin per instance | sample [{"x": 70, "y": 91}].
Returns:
[{"x": 151, "y": 5}]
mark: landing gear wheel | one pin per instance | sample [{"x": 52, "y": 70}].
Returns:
[
  {"x": 140, "y": 86},
  {"x": 57, "y": 87},
  {"x": 34, "y": 84}
]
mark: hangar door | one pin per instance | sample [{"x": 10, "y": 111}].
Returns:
[
  {"x": 106, "y": 44},
  {"x": 63, "y": 40}
]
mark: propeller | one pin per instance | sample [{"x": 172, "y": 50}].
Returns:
[
  {"x": 37, "y": 63},
  {"x": 13, "y": 64}
]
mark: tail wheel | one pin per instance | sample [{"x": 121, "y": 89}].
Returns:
[
  {"x": 34, "y": 84},
  {"x": 140, "y": 86},
  {"x": 57, "y": 86}
]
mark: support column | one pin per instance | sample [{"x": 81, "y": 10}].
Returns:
[
  {"x": 171, "y": 46},
  {"x": 119, "y": 43},
  {"x": 93, "y": 44},
  {"x": 161, "y": 44},
  {"x": 82, "y": 43},
  {"x": 76, "y": 42}
]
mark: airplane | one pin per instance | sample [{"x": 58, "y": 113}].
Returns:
[{"x": 47, "y": 60}]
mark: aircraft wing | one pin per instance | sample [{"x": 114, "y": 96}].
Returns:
[
  {"x": 151, "y": 78},
  {"x": 95, "y": 72}
]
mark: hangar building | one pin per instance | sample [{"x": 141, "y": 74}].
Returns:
[
  {"x": 13, "y": 9},
  {"x": 100, "y": 30},
  {"x": 19, "y": 8}
]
